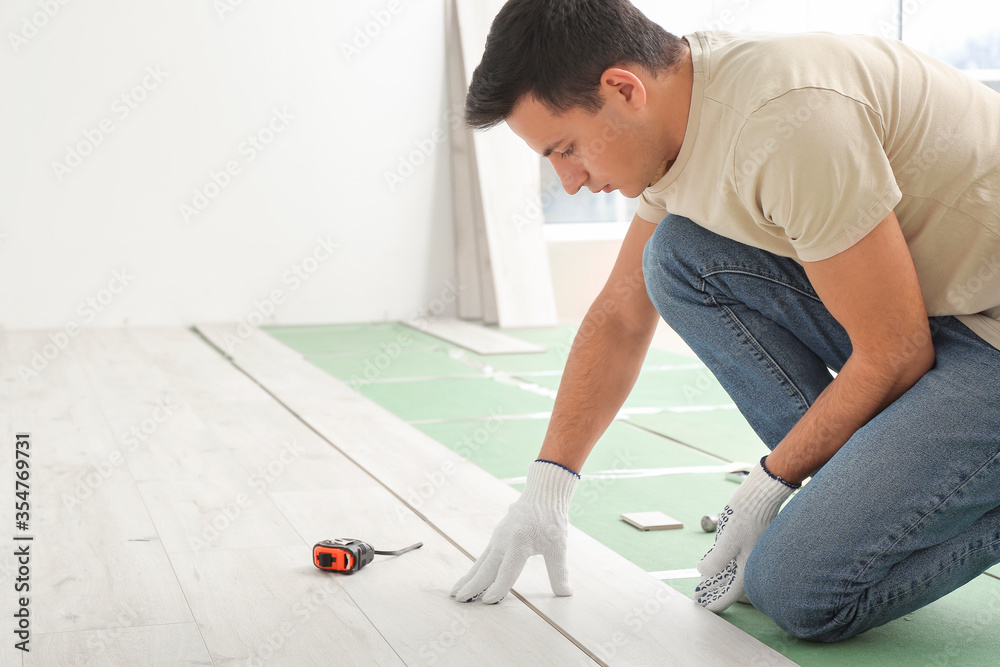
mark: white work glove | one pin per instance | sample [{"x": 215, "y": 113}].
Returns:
[
  {"x": 537, "y": 523},
  {"x": 742, "y": 522}
]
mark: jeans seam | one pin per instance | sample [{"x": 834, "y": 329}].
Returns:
[
  {"x": 772, "y": 364},
  {"x": 921, "y": 520},
  {"x": 986, "y": 547},
  {"x": 775, "y": 367},
  {"x": 711, "y": 272}
]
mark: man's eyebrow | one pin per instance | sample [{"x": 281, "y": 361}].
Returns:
[{"x": 548, "y": 151}]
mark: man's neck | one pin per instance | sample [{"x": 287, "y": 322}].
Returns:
[{"x": 675, "y": 106}]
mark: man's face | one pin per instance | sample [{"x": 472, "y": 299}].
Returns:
[{"x": 609, "y": 150}]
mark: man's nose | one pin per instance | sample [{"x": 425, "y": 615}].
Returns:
[{"x": 571, "y": 175}]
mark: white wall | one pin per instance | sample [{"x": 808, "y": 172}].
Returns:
[
  {"x": 224, "y": 67},
  {"x": 875, "y": 17}
]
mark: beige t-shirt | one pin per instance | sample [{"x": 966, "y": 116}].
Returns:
[{"x": 801, "y": 144}]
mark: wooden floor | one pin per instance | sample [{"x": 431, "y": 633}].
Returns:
[{"x": 176, "y": 493}]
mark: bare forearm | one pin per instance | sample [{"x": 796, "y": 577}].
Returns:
[
  {"x": 855, "y": 396},
  {"x": 602, "y": 367}
]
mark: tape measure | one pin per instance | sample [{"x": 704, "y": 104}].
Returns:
[{"x": 348, "y": 555}]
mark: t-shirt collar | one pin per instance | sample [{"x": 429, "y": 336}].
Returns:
[{"x": 698, "y": 58}]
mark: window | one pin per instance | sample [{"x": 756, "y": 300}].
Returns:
[
  {"x": 584, "y": 206},
  {"x": 965, "y": 34}
]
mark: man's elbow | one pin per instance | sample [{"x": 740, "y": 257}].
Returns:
[
  {"x": 923, "y": 361},
  {"x": 912, "y": 358}
]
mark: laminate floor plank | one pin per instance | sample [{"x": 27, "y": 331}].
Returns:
[
  {"x": 270, "y": 606},
  {"x": 278, "y": 451},
  {"x": 407, "y": 596},
  {"x": 474, "y": 337},
  {"x": 122, "y": 646},
  {"x": 197, "y": 493},
  {"x": 619, "y": 613},
  {"x": 96, "y": 556},
  {"x": 253, "y": 591}
]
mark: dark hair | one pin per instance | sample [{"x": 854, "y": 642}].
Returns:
[{"x": 557, "y": 50}]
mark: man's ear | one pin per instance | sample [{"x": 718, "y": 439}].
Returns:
[{"x": 625, "y": 86}]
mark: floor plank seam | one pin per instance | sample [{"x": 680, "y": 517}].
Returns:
[
  {"x": 373, "y": 624},
  {"x": 406, "y": 504},
  {"x": 168, "y": 554},
  {"x": 53, "y": 633},
  {"x": 322, "y": 437},
  {"x": 673, "y": 440}
]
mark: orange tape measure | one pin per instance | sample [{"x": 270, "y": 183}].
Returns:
[{"x": 348, "y": 555}]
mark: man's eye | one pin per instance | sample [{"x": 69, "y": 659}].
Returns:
[{"x": 566, "y": 153}]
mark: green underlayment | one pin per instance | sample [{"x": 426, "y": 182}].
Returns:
[{"x": 491, "y": 409}]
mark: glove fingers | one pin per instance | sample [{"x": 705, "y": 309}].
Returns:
[
  {"x": 509, "y": 571},
  {"x": 558, "y": 567},
  {"x": 485, "y": 575},
  {"x": 714, "y": 561},
  {"x": 714, "y": 586},
  {"x": 467, "y": 577},
  {"x": 732, "y": 593},
  {"x": 722, "y": 590}
]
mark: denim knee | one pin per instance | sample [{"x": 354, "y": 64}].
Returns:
[
  {"x": 794, "y": 600},
  {"x": 665, "y": 266}
]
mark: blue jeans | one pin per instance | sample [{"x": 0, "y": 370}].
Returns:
[{"x": 909, "y": 509}]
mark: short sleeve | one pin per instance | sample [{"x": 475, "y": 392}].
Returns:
[
  {"x": 810, "y": 165},
  {"x": 649, "y": 211}
]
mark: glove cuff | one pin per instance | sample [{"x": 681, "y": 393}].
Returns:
[
  {"x": 550, "y": 484},
  {"x": 763, "y": 491}
]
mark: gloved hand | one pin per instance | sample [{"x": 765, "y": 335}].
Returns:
[
  {"x": 537, "y": 523},
  {"x": 746, "y": 517}
]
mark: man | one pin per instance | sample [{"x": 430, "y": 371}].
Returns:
[{"x": 841, "y": 210}]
